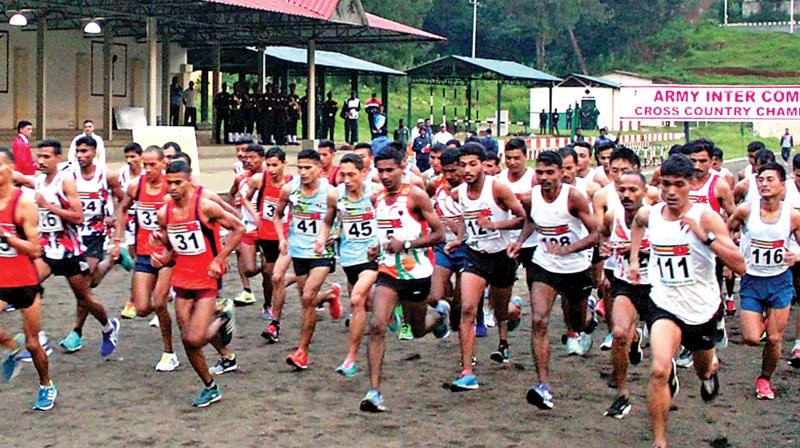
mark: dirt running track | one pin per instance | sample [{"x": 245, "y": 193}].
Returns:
[{"x": 122, "y": 401}]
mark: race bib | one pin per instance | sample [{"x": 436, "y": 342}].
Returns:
[
  {"x": 5, "y": 249},
  {"x": 307, "y": 224},
  {"x": 474, "y": 231},
  {"x": 360, "y": 230},
  {"x": 268, "y": 210},
  {"x": 49, "y": 222},
  {"x": 147, "y": 218},
  {"x": 767, "y": 254},
  {"x": 92, "y": 205},
  {"x": 674, "y": 264},
  {"x": 560, "y": 235},
  {"x": 186, "y": 238}
]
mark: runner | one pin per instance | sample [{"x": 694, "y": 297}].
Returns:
[
  {"x": 491, "y": 166},
  {"x": 358, "y": 235},
  {"x": 631, "y": 302},
  {"x": 749, "y": 169},
  {"x": 190, "y": 231},
  {"x": 717, "y": 159},
  {"x": 793, "y": 198},
  {"x": 253, "y": 163},
  {"x": 19, "y": 281},
  {"x": 436, "y": 162},
  {"x": 60, "y": 216},
  {"x": 172, "y": 149},
  {"x": 328, "y": 169},
  {"x": 766, "y": 288},
  {"x": 602, "y": 156},
  {"x": 490, "y": 210},
  {"x": 313, "y": 203},
  {"x": 238, "y": 166},
  {"x": 150, "y": 286},
  {"x": 585, "y": 171},
  {"x": 684, "y": 237},
  {"x": 407, "y": 228},
  {"x": 128, "y": 172},
  {"x": 747, "y": 188}
]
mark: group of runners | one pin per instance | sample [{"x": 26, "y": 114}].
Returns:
[{"x": 422, "y": 253}]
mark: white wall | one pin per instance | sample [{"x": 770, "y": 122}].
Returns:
[
  {"x": 563, "y": 97},
  {"x": 62, "y": 102}
]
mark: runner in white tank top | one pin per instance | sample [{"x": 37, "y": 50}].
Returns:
[
  {"x": 585, "y": 170},
  {"x": 747, "y": 188},
  {"x": 767, "y": 288},
  {"x": 566, "y": 227},
  {"x": 247, "y": 253},
  {"x": 684, "y": 239}
]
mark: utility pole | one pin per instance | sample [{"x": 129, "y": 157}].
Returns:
[
  {"x": 725, "y": 14},
  {"x": 474, "y": 24},
  {"x": 791, "y": 16}
]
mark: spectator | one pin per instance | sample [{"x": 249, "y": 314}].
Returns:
[
  {"x": 442, "y": 136},
  {"x": 23, "y": 159},
  {"x": 542, "y": 122},
  {"x": 329, "y": 109},
  {"x": 787, "y": 143},
  {"x": 373, "y": 108},
  {"x": 422, "y": 149},
  {"x": 603, "y": 138},
  {"x": 222, "y": 112},
  {"x": 415, "y": 131},
  {"x": 88, "y": 131},
  {"x": 189, "y": 100},
  {"x": 175, "y": 99},
  {"x": 578, "y": 136},
  {"x": 568, "y": 115},
  {"x": 351, "y": 110},
  {"x": 554, "y": 122},
  {"x": 428, "y": 127},
  {"x": 402, "y": 134},
  {"x": 489, "y": 143},
  {"x": 379, "y": 123}
]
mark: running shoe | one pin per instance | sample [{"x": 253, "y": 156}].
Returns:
[
  {"x": 607, "y": 342},
  {"x": 635, "y": 354},
  {"x": 224, "y": 365},
  {"x": 244, "y": 299},
  {"x": 226, "y": 315},
  {"x": 591, "y": 303},
  {"x": 266, "y": 313},
  {"x": 125, "y": 259},
  {"x": 488, "y": 317},
  {"x": 272, "y": 333},
  {"x": 207, "y": 396},
  {"x": 674, "y": 384},
  {"x": 11, "y": 366},
  {"x": 619, "y": 408},
  {"x": 168, "y": 362},
  {"x": 764, "y": 389},
  {"x": 347, "y": 369},
  {"x": 110, "y": 339},
  {"x": 465, "y": 382},
  {"x": 721, "y": 335},
  {"x": 298, "y": 360},
  {"x": 440, "y": 329},
  {"x": 685, "y": 359},
  {"x": 730, "y": 306},
  {"x": 502, "y": 355},
  {"x": 395, "y": 319},
  {"x": 709, "y": 389},
  {"x": 592, "y": 325},
  {"x": 573, "y": 346},
  {"x": 373, "y": 401},
  {"x": 579, "y": 345},
  {"x": 794, "y": 360},
  {"x": 513, "y": 324},
  {"x": 405, "y": 333},
  {"x": 72, "y": 342},
  {"x": 9, "y": 308},
  {"x": 154, "y": 322},
  {"x": 128, "y": 312},
  {"x": 46, "y": 398},
  {"x": 347, "y": 320},
  {"x": 481, "y": 330},
  {"x": 540, "y": 396},
  {"x": 25, "y": 355},
  {"x": 335, "y": 306}
]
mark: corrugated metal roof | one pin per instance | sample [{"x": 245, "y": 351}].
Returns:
[
  {"x": 329, "y": 59},
  {"x": 390, "y": 25},
  {"x": 462, "y": 68},
  {"x": 593, "y": 80},
  {"x": 509, "y": 69},
  {"x": 297, "y": 7}
]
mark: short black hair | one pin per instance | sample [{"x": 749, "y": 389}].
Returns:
[
  {"x": 256, "y": 148},
  {"x": 183, "y": 156},
  {"x": 453, "y": 141},
  {"x": 678, "y": 165},
  {"x": 605, "y": 146},
  {"x": 132, "y": 147},
  {"x": 51, "y": 143},
  {"x": 88, "y": 120},
  {"x": 473, "y": 149},
  {"x": 157, "y": 150},
  {"x": 717, "y": 153},
  {"x": 472, "y": 139},
  {"x": 796, "y": 161},
  {"x": 675, "y": 149},
  {"x": 773, "y": 166},
  {"x": 276, "y": 151},
  {"x": 23, "y": 124},
  {"x": 353, "y": 158},
  {"x": 516, "y": 144},
  {"x": 568, "y": 152},
  {"x": 634, "y": 173},
  {"x": 308, "y": 154},
  {"x": 179, "y": 166},
  {"x": 9, "y": 153},
  {"x": 756, "y": 146},
  {"x": 327, "y": 144},
  {"x": 364, "y": 145},
  {"x": 88, "y": 141},
  {"x": 450, "y": 156},
  {"x": 389, "y": 153},
  {"x": 695, "y": 147},
  {"x": 623, "y": 153},
  {"x": 437, "y": 147},
  {"x": 704, "y": 143},
  {"x": 549, "y": 158},
  {"x": 764, "y": 156},
  {"x": 491, "y": 155},
  {"x": 583, "y": 145},
  {"x": 172, "y": 145}
]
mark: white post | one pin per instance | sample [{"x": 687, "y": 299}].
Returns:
[
  {"x": 311, "y": 92},
  {"x": 725, "y": 18},
  {"x": 41, "y": 80},
  {"x": 152, "y": 69},
  {"x": 791, "y": 16},
  {"x": 474, "y": 25}
]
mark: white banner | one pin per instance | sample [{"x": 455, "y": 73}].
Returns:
[{"x": 709, "y": 103}]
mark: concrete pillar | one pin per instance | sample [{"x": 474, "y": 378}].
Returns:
[
  {"x": 204, "y": 96},
  {"x": 311, "y": 91},
  {"x": 41, "y": 80},
  {"x": 261, "y": 58},
  {"x": 83, "y": 86},
  {"x": 217, "y": 73},
  {"x": 138, "y": 97},
  {"x": 108, "y": 82},
  {"x": 165, "y": 78},
  {"x": 152, "y": 70},
  {"x": 22, "y": 87}
]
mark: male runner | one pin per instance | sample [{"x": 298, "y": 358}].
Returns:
[
  {"x": 19, "y": 281},
  {"x": 130, "y": 171},
  {"x": 749, "y": 170},
  {"x": 150, "y": 286},
  {"x": 490, "y": 210},
  {"x": 766, "y": 289},
  {"x": 602, "y": 156},
  {"x": 683, "y": 237},
  {"x": 585, "y": 171},
  {"x": 436, "y": 162},
  {"x": 747, "y": 188},
  {"x": 793, "y": 198},
  {"x": 566, "y": 228},
  {"x": 407, "y": 228},
  {"x": 253, "y": 163},
  {"x": 358, "y": 234},
  {"x": 328, "y": 169},
  {"x": 60, "y": 215},
  {"x": 313, "y": 207},
  {"x": 717, "y": 159},
  {"x": 491, "y": 166},
  {"x": 521, "y": 180},
  {"x": 631, "y": 302},
  {"x": 190, "y": 232}
]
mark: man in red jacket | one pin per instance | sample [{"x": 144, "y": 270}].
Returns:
[{"x": 23, "y": 160}]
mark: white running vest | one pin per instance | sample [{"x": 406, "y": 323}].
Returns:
[
  {"x": 793, "y": 199},
  {"x": 614, "y": 204},
  {"x": 764, "y": 244},
  {"x": 520, "y": 187},
  {"x": 621, "y": 234},
  {"x": 446, "y": 207},
  {"x": 681, "y": 268},
  {"x": 396, "y": 220},
  {"x": 752, "y": 188},
  {"x": 555, "y": 224},
  {"x": 478, "y": 238}
]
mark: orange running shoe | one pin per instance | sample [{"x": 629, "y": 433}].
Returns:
[
  {"x": 764, "y": 389},
  {"x": 298, "y": 360},
  {"x": 335, "y": 307}
]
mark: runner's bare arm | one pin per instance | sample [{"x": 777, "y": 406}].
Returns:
[
  {"x": 505, "y": 199},
  {"x": 723, "y": 246},
  {"x": 791, "y": 257},
  {"x": 23, "y": 180},
  {"x": 277, "y": 220},
  {"x": 421, "y": 203},
  {"x": 740, "y": 190},
  {"x": 73, "y": 213},
  {"x": 233, "y": 192},
  {"x": 116, "y": 188},
  {"x": 725, "y": 197},
  {"x": 608, "y": 220},
  {"x": 254, "y": 184},
  {"x": 27, "y": 218},
  {"x": 214, "y": 197},
  {"x": 637, "y": 235},
  {"x": 327, "y": 224},
  {"x": 215, "y": 214},
  {"x": 599, "y": 201},
  {"x": 122, "y": 210},
  {"x": 738, "y": 218}
]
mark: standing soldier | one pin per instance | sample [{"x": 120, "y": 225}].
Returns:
[
  {"x": 222, "y": 104},
  {"x": 329, "y": 109}
]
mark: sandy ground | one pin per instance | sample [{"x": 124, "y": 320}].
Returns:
[{"x": 122, "y": 401}]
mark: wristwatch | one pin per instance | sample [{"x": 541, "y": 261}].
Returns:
[
  {"x": 407, "y": 245},
  {"x": 710, "y": 239},
  {"x": 4, "y": 236}
]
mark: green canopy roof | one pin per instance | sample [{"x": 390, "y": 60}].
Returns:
[
  {"x": 454, "y": 69},
  {"x": 581, "y": 80},
  {"x": 330, "y": 59}
]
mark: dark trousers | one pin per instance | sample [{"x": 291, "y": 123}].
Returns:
[
  {"x": 174, "y": 112},
  {"x": 569, "y": 122},
  {"x": 351, "y": 130},
  {"x": 328, "y": 125},
  {"x": 542, "y": 128},
  {"x": 190, "y": 117},
  {"x": 218, "y": 129}
]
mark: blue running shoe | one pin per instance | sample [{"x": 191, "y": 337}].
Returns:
[
  {"x": 207, "y": 396},
  {"x": 347, "y": 370},
  {"x": 110, "y": 339},
  {"x": 441, "y": 329},
  {"x": 467, "y": 381},
  {"x": 25, "y": 355},
  {"x": 72, "y": 343},
  {"x": 540, "y": 396},
  {"x": 481, "y": 330},
  {"x": 11, "y": 367},
  {"x": 373, "y": 401},
  {"x": 46, "y": 398},
  {"x": 515, "y": 323},
  {"x": 9, "y": 308}
]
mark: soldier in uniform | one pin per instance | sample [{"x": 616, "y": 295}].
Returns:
[
  {"x": 329, "y": 110},
  {"x": 222, "y": 104}
]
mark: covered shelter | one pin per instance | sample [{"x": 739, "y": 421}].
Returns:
[
  {"x": 195, "y": 24},
  {"x": 462, "y": 70}
]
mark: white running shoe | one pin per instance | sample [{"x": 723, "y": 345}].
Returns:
[
  {"x": 488, "y": 317},
  {"x": 607, "y": 342},
  {"x": 168, "y": 362},
  {"x": 154, "y": 322}
]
